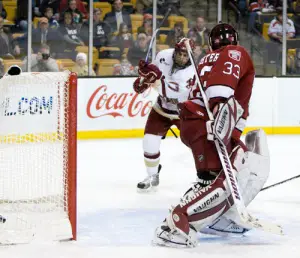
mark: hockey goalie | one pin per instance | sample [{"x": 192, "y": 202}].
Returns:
[{"x": 227, "y": 75}]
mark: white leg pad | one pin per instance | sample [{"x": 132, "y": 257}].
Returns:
[{"x": 253, "y": 167}]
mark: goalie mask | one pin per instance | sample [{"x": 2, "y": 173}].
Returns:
[
  {"x": 181, "y": 57},
  {"x": 221, "y": 35}
]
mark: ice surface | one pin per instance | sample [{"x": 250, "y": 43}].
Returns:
[{"x": 116, "y": 221}]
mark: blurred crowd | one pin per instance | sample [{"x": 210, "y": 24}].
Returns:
[{"x": 122, "y": 31}]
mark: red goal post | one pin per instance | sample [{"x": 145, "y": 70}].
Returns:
[{"x": 38, "y": 139}]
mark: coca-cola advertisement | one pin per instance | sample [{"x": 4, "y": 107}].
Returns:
[{"x": 112, "y": 104}]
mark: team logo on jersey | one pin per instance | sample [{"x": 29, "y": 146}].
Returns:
[
  {"x": 199, "y": 113},
  {"x": 235, "y": 55},
  {"x": 162, "y": 60}
]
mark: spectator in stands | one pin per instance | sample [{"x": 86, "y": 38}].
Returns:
[
  {"x": 139, "y": 50},
  {"x": 279, "y": 3},
  {"x": 199, "y": 52},
  {"x": 3, "y": 13},
  {"x": 22, "y": 15},
  {"x": 275, "y": 28},
  {"x": 201, "y": 32},
  {"x": 53, "y": 23},
  {"x": 192, "y": 35},
  {"x": 101, "y": 30},
  {"x": 297, "y": 61},
  {"x": 123, "y": 39},
  {"x": 69, "y": 34},
  {"x": 297, "y": 7},
  {"x": 53, "y": 4},
  {"x": 41, "y": 62},
  {"x": 117, "y": 16},
  {"x": 76, "y": 14},
  {"x": 139, "y": 9},
  {"x": 147, "y": 26},
  {"x": 175, "y": 35},
  {"x": 42, "y": 35},
  {"x": 8, "y": 46},
  {"x": 81, "y": 67},
  {"x": 144, "y": 6},
  {"x": 296, "y": 17},
  {"x": 164, "y": 5},
  {"x": 2, "y": 72},
  {"x": 125, "y": 68},
  {"x": 256, "y": 7},
  {"x": 64, "y": 5}
]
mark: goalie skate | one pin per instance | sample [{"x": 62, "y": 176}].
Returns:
[
  {"x": 164, "y": 236},
  {"x": 150, "y": 182}
]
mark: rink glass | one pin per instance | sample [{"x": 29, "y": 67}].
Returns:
[{"x": 270, "y": 58}]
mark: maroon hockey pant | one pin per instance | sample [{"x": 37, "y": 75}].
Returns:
[{"x": 158, "y": 124}]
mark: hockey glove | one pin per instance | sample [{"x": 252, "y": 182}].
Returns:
[
  {"x": 226, "y": 117},
  {"x": 148, "y": 73},
  {"x": 140, "y": 85}
]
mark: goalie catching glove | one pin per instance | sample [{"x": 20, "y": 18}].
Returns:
[
  {"x": 148, "y": 74},
  {"x": 226, "y": 117}
]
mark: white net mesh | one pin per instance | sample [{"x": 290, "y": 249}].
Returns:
[{"x": 34, "y": 157}]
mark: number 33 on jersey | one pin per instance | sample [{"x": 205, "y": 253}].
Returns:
[{"x": 224, "y": 72}]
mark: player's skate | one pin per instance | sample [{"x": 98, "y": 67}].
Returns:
[
  {"x": 2, "y": 219},
  {"x": 150, "y": 182}
]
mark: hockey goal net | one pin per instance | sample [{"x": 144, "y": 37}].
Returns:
[{"x": 38, "y": 157}]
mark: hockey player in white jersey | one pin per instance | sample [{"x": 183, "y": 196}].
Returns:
[{"x": 170, "y": 74}]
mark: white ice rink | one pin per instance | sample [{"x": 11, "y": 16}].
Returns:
[{"x": 116, "y": 221}]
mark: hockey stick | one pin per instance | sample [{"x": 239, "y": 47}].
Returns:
[
  {"x": 153, "y": 38},
  {"x": 172, "y": 131},
  {"x": 244, "y": 218},
  {"x": 155, "y": 32},
  {"x": 279, "y": 183}
]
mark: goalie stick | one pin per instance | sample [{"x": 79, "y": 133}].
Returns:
[{"x": 244, "y": 218}]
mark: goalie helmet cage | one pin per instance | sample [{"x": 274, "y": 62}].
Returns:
[{"x": 38, "y": 113}]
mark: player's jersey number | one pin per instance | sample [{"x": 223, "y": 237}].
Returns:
[
  {"x": 233, "y": 69},
  {"x": 229, "y": 68}
]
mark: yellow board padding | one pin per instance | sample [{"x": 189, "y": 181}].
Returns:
[
  {"x": 138, "y": 133},
  {"x": 26, "y": 138},
  {"x": 114, "y": 134}
]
